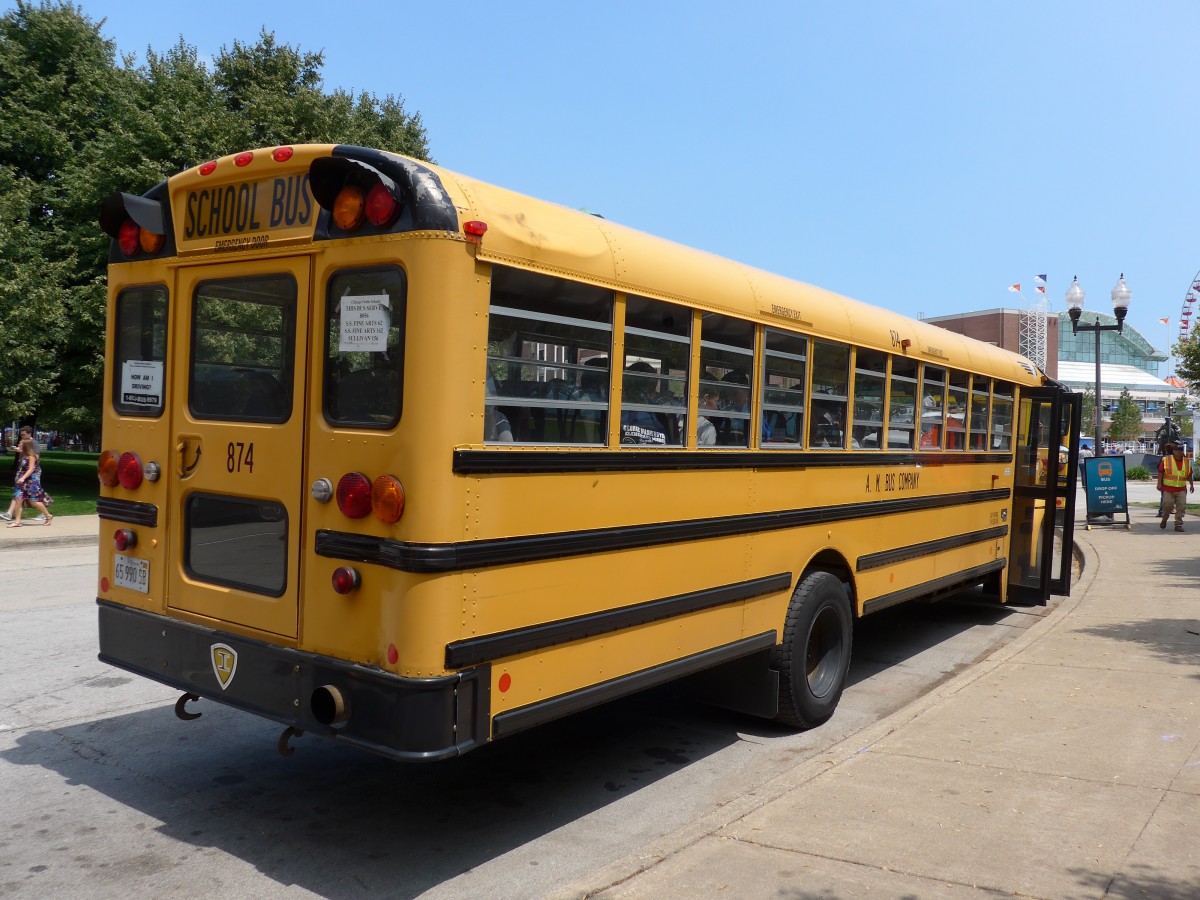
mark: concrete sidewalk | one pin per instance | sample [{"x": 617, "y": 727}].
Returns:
[
  {"x": 1066, "y": 765},
  {"x": 63, "y": 531}
]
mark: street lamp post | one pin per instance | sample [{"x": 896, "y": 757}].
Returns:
[{"x": 1120, "y": 302}]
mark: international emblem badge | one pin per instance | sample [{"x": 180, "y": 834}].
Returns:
[{"x": 224, "y": 663}]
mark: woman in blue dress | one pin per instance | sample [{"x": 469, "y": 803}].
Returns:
[{"x": 29, "y": 483}]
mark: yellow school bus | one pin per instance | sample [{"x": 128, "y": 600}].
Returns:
[{"x": 406, "y": 460}]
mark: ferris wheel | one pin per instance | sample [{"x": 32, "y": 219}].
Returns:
[{"x": 1189, "y": 299}]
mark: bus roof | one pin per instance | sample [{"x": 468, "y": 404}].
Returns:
[{"x": 530, "y": 233}]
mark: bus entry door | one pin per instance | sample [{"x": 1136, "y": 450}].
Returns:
[
  {"x": 1039, "y": 562},
  {"x": 238, "y": 429}
]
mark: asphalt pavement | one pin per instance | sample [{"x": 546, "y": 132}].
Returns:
[{"x": 1064, "y": 765}]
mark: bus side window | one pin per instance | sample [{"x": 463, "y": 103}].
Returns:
[
  {"x": 549, "y": 342},
  {"x": 830, "y": 394},
  {"x": 726, "y": 360},
  {"x": 785, "y": 362}
]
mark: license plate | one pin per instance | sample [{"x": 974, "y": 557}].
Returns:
[{"x": 131, "y": 572}]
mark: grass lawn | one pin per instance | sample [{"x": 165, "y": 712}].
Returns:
[{"x": 70, "y": 478}]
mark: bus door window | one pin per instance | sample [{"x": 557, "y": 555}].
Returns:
[
  {"x": 870, "y": 384},
  {"x": 140, "y": 351},
  {"x": 549, "y": 345},
  {"x": 830, "y": 394},
  {"x": 981, "y": 395},
  {"x": 243, "y": 337},
  {"x": 902, "y": 404},
  {"x": 364, "y": 347},
  {"x": 1002, "y": 416},
  {"x": 654, "y": 387},
  {"x": 933, "y": 407},
  {"x": 726, "y": 359},
  {"x": 785, "y": 365},
  {"x": 956, "y": 411}
]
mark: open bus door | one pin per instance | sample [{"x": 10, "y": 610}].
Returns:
[{"x": 1047, "y": 452}]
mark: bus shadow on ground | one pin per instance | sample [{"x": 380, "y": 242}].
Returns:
[{"x": 340, "y": 823}]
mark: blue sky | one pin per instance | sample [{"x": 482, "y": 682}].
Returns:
[{"x": 919, "y": 155}]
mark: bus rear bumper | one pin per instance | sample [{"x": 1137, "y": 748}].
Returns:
[{"x": 408, "y": 719}]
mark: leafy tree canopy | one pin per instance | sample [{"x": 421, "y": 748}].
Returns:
[
  {"x": 77, "y": 123},
  {"x": 1126, "y": 424}
]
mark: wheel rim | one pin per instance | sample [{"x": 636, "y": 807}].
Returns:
[{"x": 823, "y": 653}]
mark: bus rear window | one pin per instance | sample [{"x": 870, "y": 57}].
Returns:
[
  {"x": 364, "y": 347},
  {"x": 140, "y": 351},
  {"x": 243, "y": 337}
]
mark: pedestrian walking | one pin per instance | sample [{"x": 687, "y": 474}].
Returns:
[
  {"x": 1174, "y": 482},
  {"x": 29, "y": 484}
]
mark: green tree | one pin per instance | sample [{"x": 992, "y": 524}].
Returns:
[
  {"x": 1126, "y": 424},
  {"x": 1187, "y": 361},
  {"x": 59, "y": 81},
  {"x": 78, "y": 123},
  {"x": 1087, "y": 415}
]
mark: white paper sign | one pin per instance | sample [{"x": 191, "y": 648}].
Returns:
[
  {"x": 142, "y": 383},
  {"x": 364, "y": 322}
]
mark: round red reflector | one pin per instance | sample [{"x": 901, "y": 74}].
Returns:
[
  {"x": 104, "y": 585},
  {"x": 106, "y": 468},
  {"x": 243, "y": 159},
  {"x": 282, "y": 154},
  {"x": 129, "y": 470},
  {"x": 382, "y": 208},
  {"x": 505, "y": 683},
  {"x": 478, "y": 229},
  {"x": 348, "y": 208},
  {"x": 124, "y": 539},
  {"x": 208, "y": 168},
  {"x": 345, "y": 579},
  {"x": 387, "y": 499},
  {"x": 393, "y": 654},
  {"x": 129, "y": 237},
  {"x": 354, "y": 495}
]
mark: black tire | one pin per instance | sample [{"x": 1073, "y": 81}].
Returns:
[{"x": 815, "y": 654}]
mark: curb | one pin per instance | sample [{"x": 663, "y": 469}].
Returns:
[{"x": 50, "y": 540}]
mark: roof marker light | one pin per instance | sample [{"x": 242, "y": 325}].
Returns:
[
  {"x": 208, "y": 168},
  {"x": 282, "y": 154},
  {"x": 475, "y": 229},
  {"x": 243, "y": 159}
]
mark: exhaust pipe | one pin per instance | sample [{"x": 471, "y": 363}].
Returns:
[{"x": 329, "y": 705}]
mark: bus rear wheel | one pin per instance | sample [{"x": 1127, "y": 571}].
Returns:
[{"x": 815, "y": 654}]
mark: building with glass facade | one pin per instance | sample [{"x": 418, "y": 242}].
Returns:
[{"x": 1127, "y": 360}]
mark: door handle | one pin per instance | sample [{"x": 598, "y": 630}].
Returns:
[{"x": 188, "y": 468}]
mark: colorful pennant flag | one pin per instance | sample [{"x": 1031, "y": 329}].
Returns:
[
  {"x": 1040, "y": 279},
  {"x": 1164, "y": 321},
  {"x": 1015, "y": 288},
  {"x": 1040, "y": 289}
]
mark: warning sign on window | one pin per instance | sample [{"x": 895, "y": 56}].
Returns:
[
  {"x": 364, "y": 323},
  {"x": 142, "y": 383}
]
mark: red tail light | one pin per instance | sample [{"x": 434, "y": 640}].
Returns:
[
  {"x": 354, "y": 495},
  {"x": 129, "y": 237},
  {"x": 124, "y": 539},
  {"x": 382, "y": 208},
  {"x": 106, "y": 468},
  {"x": 129, "y": 470},
  {"x": 345, "y": 579}
]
